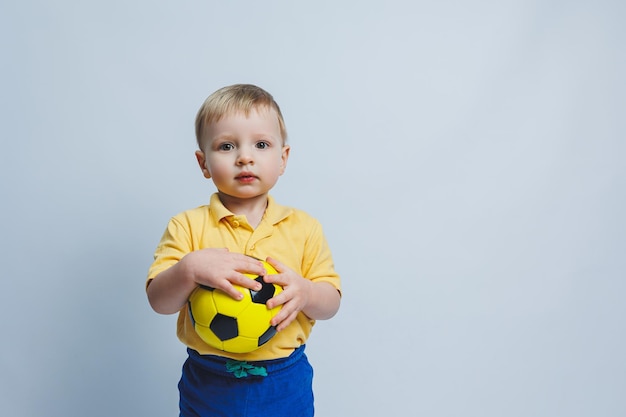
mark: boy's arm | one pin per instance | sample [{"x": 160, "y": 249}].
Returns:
[
  {"x": 324, "y": 300},
  {"x": 169, "y": 291}
]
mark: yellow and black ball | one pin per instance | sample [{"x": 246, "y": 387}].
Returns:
[{"x": 236, "y": 326}]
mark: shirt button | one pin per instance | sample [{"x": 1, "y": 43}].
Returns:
[{"x": 235, "y": 223}]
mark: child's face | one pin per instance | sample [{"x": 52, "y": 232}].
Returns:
[{"x": 244, "y": 156}]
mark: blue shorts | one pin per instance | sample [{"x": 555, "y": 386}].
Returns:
[{"x": 216, "y": 386}]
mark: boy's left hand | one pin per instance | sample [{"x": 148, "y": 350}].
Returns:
[{"x": 294, "y": 297}]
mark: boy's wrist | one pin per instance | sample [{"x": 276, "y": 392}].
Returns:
[{"x": 187, "y": 274}]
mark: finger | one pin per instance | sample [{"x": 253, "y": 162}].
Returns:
[
  {"x": 287, "y": 309},
  {"x": 283, "y": 324},
  {"x": 231, "y": 291},
  {"x": 279, "y": 318},
  {"x": 250, "y": 265},
  {"x": 279, "y": 279},
  {"x": 277, "y": 300},
  {"x": 246, "y": 282},
  {"x": 233, "y": 285},
  {"x": 278, "y": 266}
]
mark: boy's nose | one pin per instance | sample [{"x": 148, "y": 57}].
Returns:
[{"x": 244, "y": 158}]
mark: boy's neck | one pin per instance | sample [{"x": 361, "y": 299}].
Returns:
[{"x": 252, "y": 208}]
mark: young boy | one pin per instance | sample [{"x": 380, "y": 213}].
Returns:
[{"x": 242, "y": 148}]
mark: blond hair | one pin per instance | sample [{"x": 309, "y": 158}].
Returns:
[{"x": 232, "y": 99}]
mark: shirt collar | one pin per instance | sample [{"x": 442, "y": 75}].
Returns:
[{"x": 274, "y": 213}]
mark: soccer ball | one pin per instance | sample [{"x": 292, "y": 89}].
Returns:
[{"x": 235, "y": 326}]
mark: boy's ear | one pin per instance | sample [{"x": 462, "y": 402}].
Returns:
[
  {"x": 202, "y": 163},
  {"x": 283, "y": 158}
]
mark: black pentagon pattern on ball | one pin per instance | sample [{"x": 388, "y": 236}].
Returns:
[
  {"x": 193, "y": 320},
  {"x": 265, "y": 337},
  {"x": 265, "y": 293},
  {"x": 224, "y": 327},
  {"x": 206, "y": 287}
]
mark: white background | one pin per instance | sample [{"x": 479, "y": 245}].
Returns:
[{"x": 466, "y": 159}]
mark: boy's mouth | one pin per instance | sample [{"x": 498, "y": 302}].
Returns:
[{"x": 245, "y": 177}]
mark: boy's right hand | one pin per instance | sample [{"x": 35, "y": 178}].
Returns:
[{"x": 220, "y": 269}]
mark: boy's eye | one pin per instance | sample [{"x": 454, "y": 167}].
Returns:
[
  {"x": 262, "y": 145},
  {"x": 226, "y": 147}
]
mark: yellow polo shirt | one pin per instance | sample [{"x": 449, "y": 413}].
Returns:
[{"x": 289, "y": 235}]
